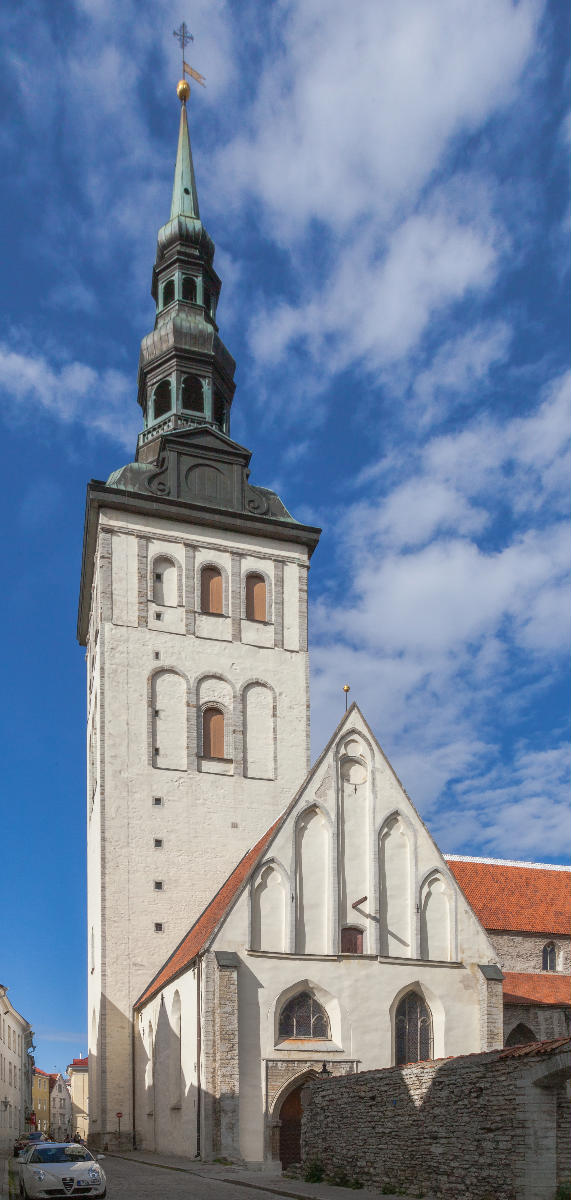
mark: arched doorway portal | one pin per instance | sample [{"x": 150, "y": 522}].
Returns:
[{"x": 290, "y": 1127}]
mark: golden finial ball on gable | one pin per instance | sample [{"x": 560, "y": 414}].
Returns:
[{"x": 183, "y": 90}]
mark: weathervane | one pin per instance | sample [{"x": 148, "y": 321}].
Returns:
[{"x": 184, "y": 36}]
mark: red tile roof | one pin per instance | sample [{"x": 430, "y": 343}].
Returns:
[
  {"x": 197, "y": 937},
  {"x": 529, "y": 1049},
  {"x": 530, "y": 899},
  {"x": 544, "y": 988},
  {"x": 79, "y": 1062}
]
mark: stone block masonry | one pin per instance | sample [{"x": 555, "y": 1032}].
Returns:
[{"x": 477, "y": 1127}]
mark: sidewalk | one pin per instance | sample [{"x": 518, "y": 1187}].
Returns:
[{"x": 274, "y": 1182}]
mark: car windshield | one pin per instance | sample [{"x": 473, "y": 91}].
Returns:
[{"x": 60, "y": 1154}]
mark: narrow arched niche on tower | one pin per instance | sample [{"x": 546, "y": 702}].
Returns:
[
  {"x": 162, "y": 401},
  {"x": 189, "y": 288}
]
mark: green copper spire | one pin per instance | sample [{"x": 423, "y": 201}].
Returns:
[{"x": 184, "y": 197}]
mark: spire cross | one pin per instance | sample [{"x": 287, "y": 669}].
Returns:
[{"x": 183, "y": 36}]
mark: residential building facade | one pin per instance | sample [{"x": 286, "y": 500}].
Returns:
[
  {"x": 16, "y": 1062},
  {"x": 78, "y": 1074},
  {"x": 60, "y": 1109},
  {"x": 41, "y": 1086}
]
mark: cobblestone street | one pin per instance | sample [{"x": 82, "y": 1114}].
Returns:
[{"x": 134, "y": 1179}]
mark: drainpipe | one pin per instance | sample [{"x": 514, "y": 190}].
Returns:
[
  {"x": 133, "y": 1088},
  {"x": 198, "y": 1056}
]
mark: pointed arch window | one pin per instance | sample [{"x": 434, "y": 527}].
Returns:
[
  {"x": 304, "y": 1017},
  {"x": 520, "y": 1035},
  {"x": 162, "y": 399},
  {"x": 189, "y": 288},
  {"x": 351, "y": 940},
  {"x": 549, "y": 957},
  {"x": 213, "y": 733},
  {"x": 256, "y": 604},
  {"x": 192, "y": 394},
  {"x": 168, "y": 292},
  {"x": 211, "y": 593},
  {"x": 413, "y": 1030}
]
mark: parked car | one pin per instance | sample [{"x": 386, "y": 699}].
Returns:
[
  {"x": 60, "y": 1168},
  {"x": 24, "y": 1139}
]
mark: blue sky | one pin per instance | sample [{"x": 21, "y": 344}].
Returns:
[{"x": 387, "y": 189}]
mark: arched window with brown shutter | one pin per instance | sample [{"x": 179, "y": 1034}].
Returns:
[
  {"x": 213, "y": 733},
  {"x": 351, "y": 940},
  {"x": 256, "y": 598},
  {"x": 211, "y": 593}
]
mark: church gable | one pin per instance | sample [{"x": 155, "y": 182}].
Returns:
[{"x": 351, "y": 868}]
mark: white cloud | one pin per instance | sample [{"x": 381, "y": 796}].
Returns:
[
  {"x": 99, "y": 400},
  {"x": 455, "y": 370}
]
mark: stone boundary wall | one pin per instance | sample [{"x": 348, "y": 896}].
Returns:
[{"x": 481, "y": 1127}]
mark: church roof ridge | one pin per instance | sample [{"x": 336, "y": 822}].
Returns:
[{"x": 507, "y": 862}]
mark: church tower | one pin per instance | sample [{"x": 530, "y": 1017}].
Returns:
[{"x": 193, "y": 612}]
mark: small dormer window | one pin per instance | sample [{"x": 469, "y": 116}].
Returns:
[
  {"x": 192, "y": 394},
  {"x": 168, "y": 292},
  {"x": 189, "y": 288},
  {"x": 162, "y": 399}
]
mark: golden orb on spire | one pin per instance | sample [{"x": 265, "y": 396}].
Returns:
[{"x": 183, "y": 90}]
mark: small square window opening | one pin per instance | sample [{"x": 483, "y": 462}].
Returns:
[
  {"x": 158, "y": 843},
  {"x": 158, "y": 616},
  {"x": 157, "y": 800},
  {"x": 158, "y": 885},
  {"x": 158, "y": 927},
  {"x": 157, "y": 655}
]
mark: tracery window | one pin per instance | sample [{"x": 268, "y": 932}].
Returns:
[
  {"x": 168, "y": 292},
  {"x": 351, "y": 940},
  {"x": 303, "y": 1017},
  {"x": 213, "y": 733},
  {"x": 211, "y": 594},
  {"x": 162, "y": 399},
  {"x": 189, "y": 288},
  {"x": 255, "y": 598},
  {"x": 413, "y": 1031},
  {"x": 549, "y": 957},
  {"x": 192, "y": 395}
]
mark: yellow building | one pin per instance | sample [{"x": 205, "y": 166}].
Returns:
[
  {"x": 78, "y": 1076},
  {"x": 41, "y": 1087}
]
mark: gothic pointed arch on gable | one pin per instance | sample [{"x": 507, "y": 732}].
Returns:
[
  {"x": 167, "y": 718},
  {"x": 269, "y": 908},
  {"x": 338, "y": 1022},
  {"x": 396, "y": 850},
  {"x": 437, "y": 905}
]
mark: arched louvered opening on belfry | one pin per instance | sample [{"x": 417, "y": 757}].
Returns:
[
  {"x": 213, "y": 733},
  {"x": 189, "y": 288},
  {"x": 520, "y": 1035},
  {"x": 211, "y": 591},
  {"x": 413, "y": 1030},
  {"x": 168, "y": 292},
  {"x": 304, "y": 1017},
  {"x": 549, "y": 957},
  {"x": 162, "y": 399},
  {"x": 165, "y": 581},
  {"x": 192, "y": 394},
  {"x": 256, "y": 599},
  {"x": 175, "y": 1062},
  {"x": 219, "y": 410},
  {"x": 268, "y": 909}
]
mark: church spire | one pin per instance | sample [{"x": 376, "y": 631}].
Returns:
[
  {"x": 186, "y": 375},
  {"x": 184, "y": 196}
]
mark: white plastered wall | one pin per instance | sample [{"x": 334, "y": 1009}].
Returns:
[{"x": 210, "y": 813}]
